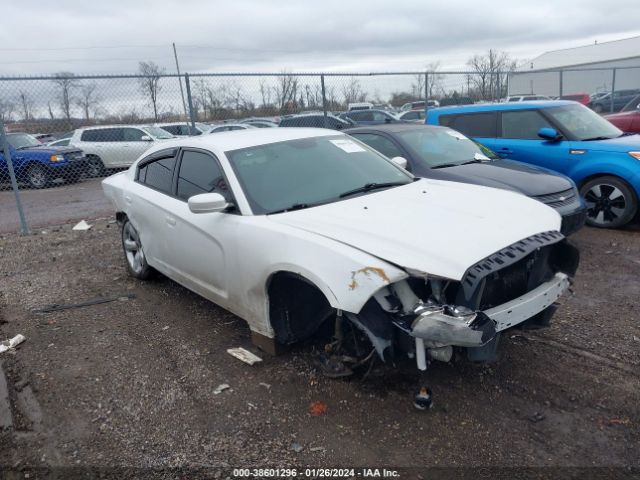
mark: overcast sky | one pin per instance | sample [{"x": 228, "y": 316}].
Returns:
[{"x": 267, "y": 35}]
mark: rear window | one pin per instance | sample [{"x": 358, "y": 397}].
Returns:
[
  {"x": 481, "y": 124},
  {"x": 158, "y": 174}
]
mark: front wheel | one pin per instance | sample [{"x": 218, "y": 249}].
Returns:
[
  {"x": 37, "y": 176},
  {"x": 611, "y": 203},
  {"x": 133, "y": 252},
  {"x": 95, "y": 167}
]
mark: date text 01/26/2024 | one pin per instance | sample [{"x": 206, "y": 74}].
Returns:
[{"x": 315, "y": 473}]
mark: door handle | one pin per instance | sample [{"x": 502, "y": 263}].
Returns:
[{"x": 170, "y": 221}]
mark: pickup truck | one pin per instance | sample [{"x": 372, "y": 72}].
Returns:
[{"x": 38, "y": 165}]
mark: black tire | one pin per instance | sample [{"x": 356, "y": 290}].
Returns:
[
  {"x": 37, "y": 176},
  {"x": 134, "y": 253},
  {"x": 95, "y": 167},
  {"x": 611, "y": 203}
]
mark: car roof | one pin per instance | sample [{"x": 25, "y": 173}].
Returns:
[
  {"x": 238, "y": 139},
  {"x": 491, "y": 107},
  {"x": 392, "y": 127},
  {"x": 98, "y": 127}
]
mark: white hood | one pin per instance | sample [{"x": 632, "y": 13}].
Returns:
[{"x": 432, "y": 226}]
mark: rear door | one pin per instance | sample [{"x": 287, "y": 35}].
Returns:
[
  {"x": 481, "y": 126},
  {"x": 519, "y": 140}
]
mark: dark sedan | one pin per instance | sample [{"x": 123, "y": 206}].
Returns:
[
  {"x": 445, "y": 154},
  {"x": 370, "y": 117}
]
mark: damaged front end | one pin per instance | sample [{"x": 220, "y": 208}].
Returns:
[{"x": 428, "y": 317}]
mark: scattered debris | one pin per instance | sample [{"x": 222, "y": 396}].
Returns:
[
  {"x": 12, "y": 343},
  {"x": 55, "y": 307},
  {"x": 245, "y": 355},
  {"x": 296, "y": 447},
  {"x": 619, "y": 421},
  {"x": 221, "y": 388},
  {"x": 537, "y": 417},
  {"x": 252, "y": 406},
  {"x": 317, "y": 449},
  {"x": 166, "y": 327},
  {"x": 423, "y": 400},
  {"x": 265, "y": 385},
  {"x": 636, "y": 339},
  {"x": 317, "y": 408},
  {"x": 81, "y": 225}
]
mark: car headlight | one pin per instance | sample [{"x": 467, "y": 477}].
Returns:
[
  {"x": 57, "y": 158},
  {"x": 635, "y": 155}
]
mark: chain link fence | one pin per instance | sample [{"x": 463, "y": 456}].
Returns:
[{"x": 67, "y": 131}]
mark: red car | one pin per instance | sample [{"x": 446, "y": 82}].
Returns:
[
  {"x": 583, "y": 98},
  {"x": 627, "y": 119}
]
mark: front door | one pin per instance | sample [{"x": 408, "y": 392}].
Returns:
[{"x": 518, "y": 140}]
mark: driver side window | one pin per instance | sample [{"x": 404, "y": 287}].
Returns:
[{"x": 523, "y": 124}]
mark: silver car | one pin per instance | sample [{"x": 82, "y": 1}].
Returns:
[{"x": 115, "y": 146}]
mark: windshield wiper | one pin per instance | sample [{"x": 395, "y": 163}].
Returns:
[
  {"x": 596, "y": 138},
  {"x": 371, "y": 186},
  {"x": 295, "y": 206},
  {"x": 446, "y": 165}
]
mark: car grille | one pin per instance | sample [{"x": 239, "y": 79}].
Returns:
[{"x": 558, "y": 199}]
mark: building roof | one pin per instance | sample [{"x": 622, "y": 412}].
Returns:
[{"x": 587, "y": 54}]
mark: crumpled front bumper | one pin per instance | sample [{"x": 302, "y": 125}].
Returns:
[{"x": 439, "y": 328}]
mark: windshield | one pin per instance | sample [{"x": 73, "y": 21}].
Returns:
[
  {"x": 441, "y": 146},
  {"x": 309, "y": 171},
  {"x": 158, "y": 133},
  {"x": 582, "y": 123},
  {"x": 22, "y": 140}
]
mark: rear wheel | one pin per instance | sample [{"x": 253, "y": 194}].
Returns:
[
  {"x": 37, "y": 176},
  {"x": 133, "y": 252},
  {"x": 611, "y": 203},
  {"x": 95, "y": 167}
]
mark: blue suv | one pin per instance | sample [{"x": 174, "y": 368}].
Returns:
[
  {"x": 37, "y": 164},
  {"x": 563, "y": 136}
]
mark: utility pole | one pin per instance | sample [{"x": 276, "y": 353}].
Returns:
[{"x": 184, "y": 104}]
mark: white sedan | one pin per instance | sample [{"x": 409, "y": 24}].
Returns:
[{"x": 290, "y": 228}]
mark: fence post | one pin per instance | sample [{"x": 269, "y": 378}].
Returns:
[
  {"x": 613, "y": 88},
  {"x": 560, "y": 85},
  {"x": 12, "y": 175},
  {"x": 324, "y": 100},
  {"x": 190, "y": 102},
  {"x": 426, "y": 95}
]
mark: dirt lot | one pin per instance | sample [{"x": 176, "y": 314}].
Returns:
[
  {"x": 131, "y": 382},
  {"x": 55, "y": 205}
]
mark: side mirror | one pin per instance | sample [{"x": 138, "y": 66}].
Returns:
[
  {"x": 550, "y": 134},
  {"x": 207, "y": 203},
  {"x": 400, "y": 161},
  {"x": 146, "y": 138}
]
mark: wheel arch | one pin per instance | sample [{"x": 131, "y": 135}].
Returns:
[{"x": 308, "y": 305}]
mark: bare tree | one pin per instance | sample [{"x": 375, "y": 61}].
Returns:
[
  {"x": 286, "y": 93},
  {"x": 88, "y": 99},
  {"x": 6, "y": 110},
  {"x": 435, "y": 80},
  {"x": 417, "y": 87},
  {"x": 352, "y": 92},
  {"x": 26, "y": 105},
  {"x": 51, "y": 115},
  {"x": 150, "y": 83},
  {"x": 66, "y": 84},
  {"x": 265, "y": 93},
  {"x": 490, "y": 72}
]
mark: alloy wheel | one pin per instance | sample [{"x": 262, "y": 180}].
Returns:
[
  {"x": 133, "y": 248},
  {"x": 605, "y": 203}
]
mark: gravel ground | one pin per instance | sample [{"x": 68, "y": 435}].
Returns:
[{"x": 132, "y": 382}]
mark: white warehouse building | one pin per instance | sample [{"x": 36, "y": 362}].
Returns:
[{"x": 586, "y": 69}]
